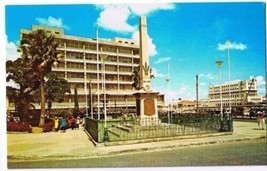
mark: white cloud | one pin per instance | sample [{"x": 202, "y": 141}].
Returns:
[
  {"x": 145, "y": 9},
  {"x": 169, "y": 95},
  {"x": 203, "y": 84},
  {"x": 208, "y": 76},
  {"x": 52, "y": 22},
  {"x": 114, "y": 17},
  {"x": 11, "y": 51},
  {"x": 234, "y": 46},
  {"x": 152, "y": 51},
  {"x": 158, "y": 74},
  {"x": 260, "y": 80},
  {"x": 260, "y": 84},
  {"x": 163, "y": 60}
]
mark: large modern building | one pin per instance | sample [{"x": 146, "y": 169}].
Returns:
[
  {"x": 89, "y": 63},
  {"x": 238, "y": 93}
]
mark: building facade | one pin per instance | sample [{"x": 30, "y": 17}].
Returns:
[
  {"x": 238, "y": 93},
  {"x": 94, "y": 67}
]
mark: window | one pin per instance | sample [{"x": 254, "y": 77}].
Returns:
[
  {"x": 75, "y": 75},
  {"x": 125, "y": 50},
  {"x": 90, "y": 46},
  {"x": 125, "y": 69},
  {"x": 91, "y": 66},
  {"x": 73, "y": 65}
]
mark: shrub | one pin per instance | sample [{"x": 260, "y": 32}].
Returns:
[
  {"x": 19, "y": 127},
  {"x": 48, "y": 127}
]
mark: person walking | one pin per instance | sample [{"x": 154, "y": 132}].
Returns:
[
  {"x": 56, "y": 124},
  {"x": 78, "y": 122},
  {"x": 63, "y": 124},
  {"x": 260, "y": 119},
  {"x": 72, "y": 121}
]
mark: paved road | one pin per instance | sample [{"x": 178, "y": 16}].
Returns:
[
  {"x": 236, "y": 153},
  {"x": 76, "y": 144}
]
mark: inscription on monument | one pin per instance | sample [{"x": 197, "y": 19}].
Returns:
[{"x": 149, "y": 107}]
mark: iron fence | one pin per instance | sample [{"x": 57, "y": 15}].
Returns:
[{"x": 134, "y": 128}]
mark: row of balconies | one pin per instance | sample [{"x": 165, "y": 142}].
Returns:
[
  {"x": 101, "y": 62},
  {"x": 70, "y": 104},
  {"x": 88, "y": 51}
]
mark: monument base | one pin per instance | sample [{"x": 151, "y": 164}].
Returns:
[{"x": 147, "y": 108}]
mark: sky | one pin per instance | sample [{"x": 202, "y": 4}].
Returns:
[{"x": 187, "y": 37}]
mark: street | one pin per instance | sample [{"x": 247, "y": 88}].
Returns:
[{"x": 237, "y": 153}]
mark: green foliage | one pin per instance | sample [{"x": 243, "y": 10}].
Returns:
[
  {"x": 39, "y": 54},
  {"x": 55, "y": 89}
]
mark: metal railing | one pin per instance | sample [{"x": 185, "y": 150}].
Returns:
[{"x": 123, "y": 129}]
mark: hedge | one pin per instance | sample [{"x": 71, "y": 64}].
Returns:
[{"x": 19, "y": 127}]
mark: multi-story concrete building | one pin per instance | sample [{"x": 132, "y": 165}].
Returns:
[
  {"x": 238, "y": 93},
  {"x": 89, "y": 63}
]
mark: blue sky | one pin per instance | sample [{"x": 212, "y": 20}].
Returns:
[{"x": 189, "y": 37}]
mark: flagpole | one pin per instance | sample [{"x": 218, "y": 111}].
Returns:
[{"x": 98, "y": 107}]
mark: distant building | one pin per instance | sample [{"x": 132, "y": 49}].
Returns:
[
  {"x": 242, "y": 93},
  {"x": 185, "y": 106},
  {"x": 81, "y": 68}
]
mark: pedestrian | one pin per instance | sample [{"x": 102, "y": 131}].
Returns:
[
  {"x": 56, "y": 124},
  {"x": 78, "y": 122},
  {"x": 63, "y": 124},
  {"x": 72, "y": 121},
  {"x": 260, "y": 120}
]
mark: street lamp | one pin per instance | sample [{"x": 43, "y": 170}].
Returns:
[
  {"x": 168, "y": 79},
  {"x": 91, "y": 98},
  {"x": 103, "y": 58},
  {"x": 219, "y": 64},
  {"x": 85, "y": 89},
  {"x": 228, "y": 56},
  {"x": 97, "y": 67}
]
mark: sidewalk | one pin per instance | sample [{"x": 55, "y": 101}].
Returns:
[{"x": 76, "y": 143}]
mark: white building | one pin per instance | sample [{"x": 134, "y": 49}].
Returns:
[
  {"x": 237, "y": 93},
  {"x": 83, "y": 64}
]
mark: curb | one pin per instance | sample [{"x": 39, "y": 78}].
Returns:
[
  {"x": 149, "y": 140},
  {"x": 173, "y": 146}
]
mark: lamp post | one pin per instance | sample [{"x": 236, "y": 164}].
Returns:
[
  {"x": 229, "y": 78},
  {"x": 86, "y": 101},
  {"x": 168, "y": 79},
  {"x": 106, "y": 137},
  {"x": 91, "y": 98},
  {"x": 219, "y": 64},
  {"x": 85, "y": 89},
  {"x": 97, "y": 68}
]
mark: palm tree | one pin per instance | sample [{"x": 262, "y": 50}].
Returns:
[{"x": 41, "y": 49}]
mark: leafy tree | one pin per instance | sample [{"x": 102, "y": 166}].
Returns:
[
  {"x": 18, "y": 72},
  {"x": 55, "y": 89},
  {"x": 41, "y": 49}
]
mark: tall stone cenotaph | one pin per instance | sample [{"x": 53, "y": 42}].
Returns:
[{"x": 146, "y": 99}]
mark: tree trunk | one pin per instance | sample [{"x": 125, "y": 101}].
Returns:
[{"x": 42, "y": 92}]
